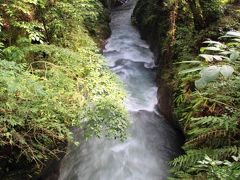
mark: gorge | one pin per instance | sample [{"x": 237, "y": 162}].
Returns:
[{"x": 151, "y": 142}]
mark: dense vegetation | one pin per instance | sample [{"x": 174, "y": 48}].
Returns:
[
  {"x": 208, "y": 105},
  {"x": 53, "y": 78},
  {"x": 196, "y": 43}
]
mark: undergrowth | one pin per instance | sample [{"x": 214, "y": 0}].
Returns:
[
  {"x": 206, "y": 103},
  {"x": 53, "y": 78}
]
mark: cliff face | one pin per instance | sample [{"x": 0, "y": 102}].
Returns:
[{"x": 152, "y": 19}]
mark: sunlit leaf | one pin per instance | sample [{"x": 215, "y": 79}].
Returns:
[
  {"x": 210, "y": 73},
  {"x": 212, "y": 49},
  {"x": 207, "y": 57},
  {"x": 188, "y": 62},
  {"x": 233, "y": 34},
  {"x": 200, "y": 84},
  {"x": 213, "y": 42},
  {"x": 226, "y": 71},
  {"x": 191, "y": 70},
  {"x": 234, "y": 55}
]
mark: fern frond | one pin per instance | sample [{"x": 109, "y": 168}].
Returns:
[
  {"x": 189, "y": 159},
  {"x": 192, "y": 157},
  {"x": 213, "y": 138},
  {"x": 223, "y": 122},
  {"x": 225, "y": 153}
]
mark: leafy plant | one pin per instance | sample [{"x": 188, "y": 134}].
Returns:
[
  {"x": 218, "y": 52},
  {"x": 221, "y": 169},
  {"x": 209, "y": 111},
  {"x": 49, "y": 88}
]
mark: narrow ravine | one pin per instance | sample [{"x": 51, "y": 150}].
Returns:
[{"x": 152, "y": 142}]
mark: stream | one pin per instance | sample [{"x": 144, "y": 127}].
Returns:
[{"x": 152, "y": 142}]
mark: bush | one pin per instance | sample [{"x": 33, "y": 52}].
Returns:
[
  {"x": 209, "y": 111},
  {"x": 52, "y": 82}
]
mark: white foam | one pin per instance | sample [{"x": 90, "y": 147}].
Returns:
[{"x": 151, "y": 142}]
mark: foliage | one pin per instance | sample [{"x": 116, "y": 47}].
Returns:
[
  {"x": 18, "y": 19},
  {"x": 53, "y": 79},
  {"x": 32, "y": 114},
  {"x": 220, "y": 52},
  {"x": 210, "y": 111},
  {"x": 212, "y": 10},
  {"x": 83, "y": 14},
  {"x": 221, "y": 169}
]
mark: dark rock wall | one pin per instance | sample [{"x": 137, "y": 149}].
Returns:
[{"x": 152, "y": 18}]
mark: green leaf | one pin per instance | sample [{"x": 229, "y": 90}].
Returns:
[
  {"x": 235, "y": 158},
  {"x": 200, "y": 84},
  {"x": 207, "y": 57},
  {"x": 210, "y": 58},
  {"x": 207, "y": 158},
  {"x": 188, "y": 62},
  {"x": 190, "y": 70},
  {"x": 210, "y": 73},
  {"x": 213, "y": 42},
  {"x": 225, "y": 53},
  {"x": 211, "y": 48},
  {"x": 236, "y": 39},
  {"x": 226, "y": 71},
  {"x": 234, "y": 55},
  {"x": 233, "y": 34}
]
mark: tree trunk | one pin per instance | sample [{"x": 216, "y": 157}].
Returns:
[{"x": 198, "y": 19}]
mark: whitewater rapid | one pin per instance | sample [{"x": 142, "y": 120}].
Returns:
[{"x": 152, "y": 142}]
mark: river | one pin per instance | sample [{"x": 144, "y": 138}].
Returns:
[{"x": 152, "y": 142}]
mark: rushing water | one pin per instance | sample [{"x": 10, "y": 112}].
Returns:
[{"x": 151, "y": 142}]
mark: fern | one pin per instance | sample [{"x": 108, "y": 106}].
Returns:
[
  {"x": 209, "y": 138},
  {"x": 227, "y": 152},
  {"x": 189, "y": 160},
  {"x": 224, "y": 122}
]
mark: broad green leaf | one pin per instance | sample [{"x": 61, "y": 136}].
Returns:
[
  {"x": 210, "y": 73},
  {"x": 200, "y": 84},
  {"x": 234, "y": 55},
  {"x": 207, "y": 158},
  {"x": 218, "y": 58},
  {"x": 212, "y": 49},
  {"x": 188, "y": 62},
  {"x": 233, "y": 34},
  {"x": 236, "y": 39},
  {"x": 190, "y": 70},
  {"x": 213, "y": 42},
  {"x": 236, "y": 158},
  {"x": 225, "y": 53},
  {"x": 207, "y": 57},
  {"x": 226, "y": 71},
  {"x": 210, "y": 58}
]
